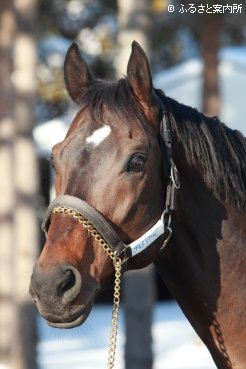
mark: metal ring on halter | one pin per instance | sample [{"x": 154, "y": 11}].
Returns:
[
  {"x": 175, "y": 176},
  {"x": 166, "y": 215},
  {"x": 166, "y": 240}
]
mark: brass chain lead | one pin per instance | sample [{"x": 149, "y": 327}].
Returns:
[{"x": 117, "y": 282}]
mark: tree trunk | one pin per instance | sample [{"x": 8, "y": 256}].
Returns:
[
  {"x": 139, "y": 296},
  {"x": 19, "y": 183},
  {"x": 134, "y": 24},
  {"x": 7, "y": 132},
  {"x": 210, "y": 42},
  {"x": 138, "y": 286}
]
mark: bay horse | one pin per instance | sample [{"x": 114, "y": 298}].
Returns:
[{"x": 134, "y": 167}]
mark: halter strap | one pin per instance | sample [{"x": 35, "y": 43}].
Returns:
[
  {"x": 124, "y": 251},
  {"x": 167, "y": 151},
  {"x": 91, "y": 214}
]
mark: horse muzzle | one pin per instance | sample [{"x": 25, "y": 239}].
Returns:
[{"x": 56, "y": 295}]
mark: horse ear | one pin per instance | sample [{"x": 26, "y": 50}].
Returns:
[
  {"x": 77, "y": 75},
  {"x": 139, "y": 75}
]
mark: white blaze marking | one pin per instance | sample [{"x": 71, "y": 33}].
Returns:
[{"x": 98, "y": 136}]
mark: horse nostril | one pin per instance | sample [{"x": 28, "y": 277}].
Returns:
[
  {"x": 67, "y": 283},
  {"x": 69, "y": 288}
]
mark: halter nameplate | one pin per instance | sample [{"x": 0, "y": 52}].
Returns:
[{"x": 147, "y": 238}]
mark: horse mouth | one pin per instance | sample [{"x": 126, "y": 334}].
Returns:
[
  {"x": 67, "y": 325},
  {"x": 68, "y": 322}
]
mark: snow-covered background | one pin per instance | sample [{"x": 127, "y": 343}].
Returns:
[{"x": 175, "y": 344}]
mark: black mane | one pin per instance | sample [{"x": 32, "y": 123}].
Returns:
[{"x": 217, "y": 149}]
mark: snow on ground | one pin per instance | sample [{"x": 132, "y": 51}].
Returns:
[{"x": 175, "y": 344}]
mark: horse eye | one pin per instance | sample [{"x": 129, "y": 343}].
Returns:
[{"x": 136, "y": 163}]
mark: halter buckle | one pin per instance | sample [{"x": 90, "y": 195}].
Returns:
[{"x": 165, "y": 242}]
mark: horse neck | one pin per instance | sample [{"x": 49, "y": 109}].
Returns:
[
  {"x": 203, "y": 195},
  {"x": 208, "y": 243}
]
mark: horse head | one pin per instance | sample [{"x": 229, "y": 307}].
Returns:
[{"x": 111, "y": 160}]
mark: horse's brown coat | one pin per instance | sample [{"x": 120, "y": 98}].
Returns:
[{"x": 205, "y": 262}]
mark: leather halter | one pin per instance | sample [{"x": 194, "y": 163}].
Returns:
[
  {"x": 161, "y": 228},
  {"x": 167, "y": 152}
]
